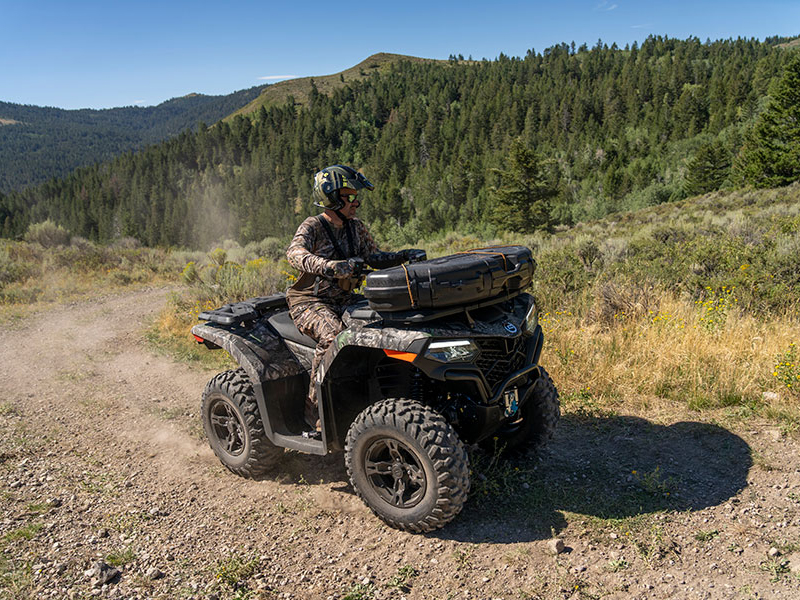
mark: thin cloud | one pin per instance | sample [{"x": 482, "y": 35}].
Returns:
[
  {"x": 272, "y": 77},
  {"x": 605, "y": 6},
  {"x": 647, "y": 26}
]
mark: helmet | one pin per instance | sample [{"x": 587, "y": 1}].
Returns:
[{"x": 330, "y": 180}]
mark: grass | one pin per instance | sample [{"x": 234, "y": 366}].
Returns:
[
  {"x": 360, "y": 591},
  {"x": 776, "y": 567},
  {"x": 617, "y": 565},
  {"x": 401, "y": 580},
  {"x": 16, "y": 576},
  {"x": 33, "y": 275},
  {"x": 462, "y": 556},
  {"x": 222, "y": 276},
  {"x": 648, "y": 359},
  {"x": 121, "y": 557},
  {"x": 706, "y": 536},
  {"x": 27, "y": 532},
  {"x": 37, "y": 508},
  {"x": 688, "y": 307},
  {"x": 232, "y": 575}
]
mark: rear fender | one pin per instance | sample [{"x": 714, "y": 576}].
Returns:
[{"x": 276, "y": 375}]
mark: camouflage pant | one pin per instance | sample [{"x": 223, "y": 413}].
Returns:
[{"x": 322, "y": 322}]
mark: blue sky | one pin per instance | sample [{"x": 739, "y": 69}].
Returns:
[{"x": 91, "y": 54}]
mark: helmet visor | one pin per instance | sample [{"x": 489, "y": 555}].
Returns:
[{"x": 362, "y": 182}]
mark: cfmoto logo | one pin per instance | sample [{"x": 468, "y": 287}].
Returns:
[{"x": 510, "y": 327}]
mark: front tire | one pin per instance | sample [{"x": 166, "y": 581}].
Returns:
[
  {"x": 536, "y": 421},
  {"x": 407, "y": 464},
  {"x": 233, "y": 425}
]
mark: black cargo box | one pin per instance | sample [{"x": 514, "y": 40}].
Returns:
[{"x": 461, "y": 278}]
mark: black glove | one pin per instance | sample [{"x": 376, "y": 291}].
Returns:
[
  {"x": 356, "y": 265},
  {"x": 413, "y": 255}
]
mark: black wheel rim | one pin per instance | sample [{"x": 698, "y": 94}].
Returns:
[
  {"x": 228, "y": 428},
  {"x": 395, "y": 473}
]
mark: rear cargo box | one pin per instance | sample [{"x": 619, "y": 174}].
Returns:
[{"x": 461, "y": 278}]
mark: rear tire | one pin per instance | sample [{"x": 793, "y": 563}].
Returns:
[
  {"x": 535, "y": 423},
  {"x": 407, "y": 464},
  {"x": 233, "y": 425}
]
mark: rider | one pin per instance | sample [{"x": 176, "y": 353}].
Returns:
[{"x": 329, "y": 250}]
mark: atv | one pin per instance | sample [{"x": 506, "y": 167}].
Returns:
[{"x": 413, "y": 379}]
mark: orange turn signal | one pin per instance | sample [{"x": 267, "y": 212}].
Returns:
[{"x": 406, "y": 356}]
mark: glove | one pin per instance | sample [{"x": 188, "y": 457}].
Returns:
[
  {"x": 414, "y": 255},
  {"x": 344, "y": 269}
]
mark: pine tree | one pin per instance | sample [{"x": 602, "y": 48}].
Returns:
[
  {"x": 771, "y": 155},
  {"x": 707, "y": 170},
  {"x": 522, "y": 201}
]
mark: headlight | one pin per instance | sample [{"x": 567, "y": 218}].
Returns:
[
  {"x": 452, "y": 351},
  {"x": 531, "y": 318}
]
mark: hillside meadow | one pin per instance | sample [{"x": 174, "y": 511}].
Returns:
[{"x": 690, "y": 304}]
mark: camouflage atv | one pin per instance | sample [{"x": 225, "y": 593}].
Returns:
[{"x": 401, "y": 393}]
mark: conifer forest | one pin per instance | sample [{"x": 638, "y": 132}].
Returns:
[{"x": 516, "y": 143}]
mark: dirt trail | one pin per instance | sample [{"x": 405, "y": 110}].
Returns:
[{"x": 102, "y": 457}]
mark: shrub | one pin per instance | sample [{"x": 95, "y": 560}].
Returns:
[
  {"x": 47, "y": 234},
  {"x": 270, "y": 248},
  {"x": 617, "y": 300},
  {"x": 229, "y": 281},
  {"x": 86, "y": 259},
  {"x": 190, "y": 274},
  {"x": 787, "y": 369},
  {"x": 715, "y": 307},
  {"x": 218, "y": 256},
  {"x": 10, "y": 269},
  {"x": 127, "y": 243},
  {"x": 81, "y": 243}
]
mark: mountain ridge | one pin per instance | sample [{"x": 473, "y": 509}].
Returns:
[
  {"x": 41, "y": 142},
  {"x": 300, "y": 87}
]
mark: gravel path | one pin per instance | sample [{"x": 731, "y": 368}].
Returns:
[{"x": 109, "y": 489}]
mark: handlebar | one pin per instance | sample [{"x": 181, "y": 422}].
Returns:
[{"x": 361, "y": 268}]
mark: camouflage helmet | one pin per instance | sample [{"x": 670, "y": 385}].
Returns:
[{"x": 330, "y": 180}]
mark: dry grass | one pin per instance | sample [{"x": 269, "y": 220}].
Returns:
[
  {"x": 670, "y": 355},
  {"x": 221, "y": 277},
  {"x": 171, "y": 333},
  {"x": 33, "y": 276}
]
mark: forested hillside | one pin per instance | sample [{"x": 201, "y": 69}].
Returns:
[
  {"x": 563, "y": 135},
  {"x": 37, "y": 143}
]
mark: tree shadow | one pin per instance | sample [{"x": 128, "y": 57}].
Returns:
[{"x": 604, "y": 467}]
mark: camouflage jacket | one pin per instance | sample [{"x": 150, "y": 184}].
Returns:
[{"x": 312, "y": 253}]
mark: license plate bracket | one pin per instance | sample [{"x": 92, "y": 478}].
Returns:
[{"x": 511, "y": 401}]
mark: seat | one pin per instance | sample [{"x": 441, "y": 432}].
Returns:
[{"x": 284, "y": 325}]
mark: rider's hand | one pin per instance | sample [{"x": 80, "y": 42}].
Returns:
[
  {"x": 343, "y": 269},
  {"x": 340, "y": 269},
  {"x": 414, "y": 255},
  {"x": 357, "y": 264}
]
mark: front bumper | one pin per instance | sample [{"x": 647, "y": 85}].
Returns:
[{"x": 482, "y": 413}]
